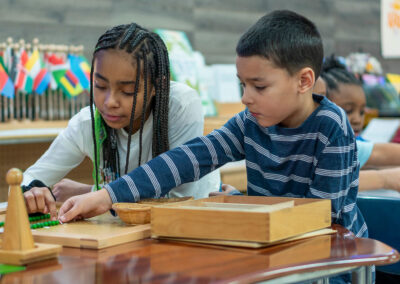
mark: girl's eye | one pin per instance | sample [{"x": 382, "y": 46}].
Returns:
[
  {"x": 128, "y": 93},
  {"x": 99, "y": 87},
  {"x": 260, "y": 88}
]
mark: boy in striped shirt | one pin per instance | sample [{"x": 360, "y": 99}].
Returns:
[{"x": 295, "y": 143}]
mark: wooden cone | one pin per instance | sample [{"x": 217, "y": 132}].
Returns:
[{"x": 17, "y": 233}]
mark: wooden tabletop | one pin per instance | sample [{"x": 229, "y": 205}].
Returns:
[{"x": 161, "y": 261}]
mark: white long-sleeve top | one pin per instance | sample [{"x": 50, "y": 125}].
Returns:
[{"x": 75, "y": 142}]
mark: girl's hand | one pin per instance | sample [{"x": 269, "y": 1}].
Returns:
[
  {"x": 67, "y": 188},
  {"x": 85, "y": 206},
  {"x": 226, "y": 188},
  {"x": 39, "y": 199}
]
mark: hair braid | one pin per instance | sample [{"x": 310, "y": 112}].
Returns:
[{"x": 137, "y": 82}]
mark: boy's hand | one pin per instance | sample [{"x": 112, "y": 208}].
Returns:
[
  {"x": 40, "y": 199},
  {"x": 85, "y": 206},
  {"x": 67, "y": 188},
  {"x": 226, "y": 188}
]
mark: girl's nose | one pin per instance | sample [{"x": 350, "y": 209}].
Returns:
[{"x": 111, "y": 99}]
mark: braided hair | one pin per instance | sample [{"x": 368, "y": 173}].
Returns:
[
  {"x": 151, "y": 57},
  {"x": 335, "y": 73}
]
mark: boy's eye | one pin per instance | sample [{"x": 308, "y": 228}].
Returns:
[{"x": 260, "y": 88}]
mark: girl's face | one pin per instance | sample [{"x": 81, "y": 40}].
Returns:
[
  {"x": 113, "y": 88},
  {"x": 351, "y": 98}
]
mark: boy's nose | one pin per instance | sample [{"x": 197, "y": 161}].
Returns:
[{"x": 246, "y": 98}]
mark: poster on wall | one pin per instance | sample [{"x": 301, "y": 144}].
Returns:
[{"x": 390, "y": 28}]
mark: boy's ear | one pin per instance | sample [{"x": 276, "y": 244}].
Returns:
[{"x": 306, "y": 79}]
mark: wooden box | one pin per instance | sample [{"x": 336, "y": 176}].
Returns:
[{"x": 241, "y": 218}]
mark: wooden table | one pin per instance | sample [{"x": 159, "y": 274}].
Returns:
[{"x": 156, "y": 261}]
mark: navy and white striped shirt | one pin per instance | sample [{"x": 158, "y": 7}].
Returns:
[{"x": 316, "y": 160}]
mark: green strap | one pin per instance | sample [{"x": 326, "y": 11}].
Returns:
[{"x": 101, "y": 134}]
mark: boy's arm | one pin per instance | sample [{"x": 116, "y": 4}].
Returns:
[
  {"x": 336, "y": 178},
  {"x": 183, "y": 164},
  {"x": 384, "y": 154}
]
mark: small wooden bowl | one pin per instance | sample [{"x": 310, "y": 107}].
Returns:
[{"x": 133, "y": 213}]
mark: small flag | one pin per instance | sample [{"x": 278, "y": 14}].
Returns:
[
  {"x": 23, "y": 81},
  {"x": 6, "y": 85},
  {"x": 33, "y": 66},
  {"x": 41, "y": 81},
  {"x": 81, "y": 69},
  {"x": 57, "y": 68},
  {"x": 70, "y": 84}
]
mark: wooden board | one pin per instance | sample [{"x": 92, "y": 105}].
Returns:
[
  {"x": 251, "y": 220},
  {"x": 94, "y": 233}
]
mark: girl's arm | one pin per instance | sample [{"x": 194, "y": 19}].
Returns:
[
  {"x": 380, "y": 179},
  {"x": 384, "y": 154}
]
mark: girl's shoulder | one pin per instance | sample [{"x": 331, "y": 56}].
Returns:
[
  {"x": 81, "y": 118},
  {"x": 182, "y": 95}
]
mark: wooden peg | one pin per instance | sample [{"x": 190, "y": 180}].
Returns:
[
  {"x": 17, "y": 246},
  {"x": 17, "y": 232}
]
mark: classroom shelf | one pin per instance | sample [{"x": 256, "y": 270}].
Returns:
[{"x": 17, "y": 132}]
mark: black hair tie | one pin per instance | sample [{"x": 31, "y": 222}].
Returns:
[{"x": 36, "y": 183}]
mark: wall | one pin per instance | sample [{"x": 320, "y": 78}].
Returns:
[{"x": 213, "y": 26}]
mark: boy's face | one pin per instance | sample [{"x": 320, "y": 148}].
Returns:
[
  {"x": 269, "y": 92},
  {"x": 113, "y": 88},
  {"x": 351, "y": 98}
]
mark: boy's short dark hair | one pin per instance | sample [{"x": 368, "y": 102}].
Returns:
[{"x": 288, "y": 39}]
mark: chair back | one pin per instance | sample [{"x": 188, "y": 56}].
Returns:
[{"x": 382, "y": 215}]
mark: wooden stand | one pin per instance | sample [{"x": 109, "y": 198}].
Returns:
[{"x": 17, "y": 246}]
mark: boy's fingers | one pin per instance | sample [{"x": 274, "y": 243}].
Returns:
[{"x": 68, "y": 211}]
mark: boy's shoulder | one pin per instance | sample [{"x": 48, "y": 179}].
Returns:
[{"x": 332, "y": 119}]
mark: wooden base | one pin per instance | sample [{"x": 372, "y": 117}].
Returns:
[
  {"x": 245, "y": 244},
  {"x": 39, "y": 253}
]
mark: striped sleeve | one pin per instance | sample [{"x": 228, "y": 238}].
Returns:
[
  {"x": 336, "y": 178},
  {"x": 183, "y": 164}
]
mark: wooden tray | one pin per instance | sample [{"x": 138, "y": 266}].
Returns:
[{"x": 241, "y": 218}]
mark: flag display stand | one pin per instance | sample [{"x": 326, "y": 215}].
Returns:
[{"x": 42, "y": 81}]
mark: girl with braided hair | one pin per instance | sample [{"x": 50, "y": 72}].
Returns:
[
  {"x": 344, "y": 89},
  {"x": 136, "y": 114}
]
